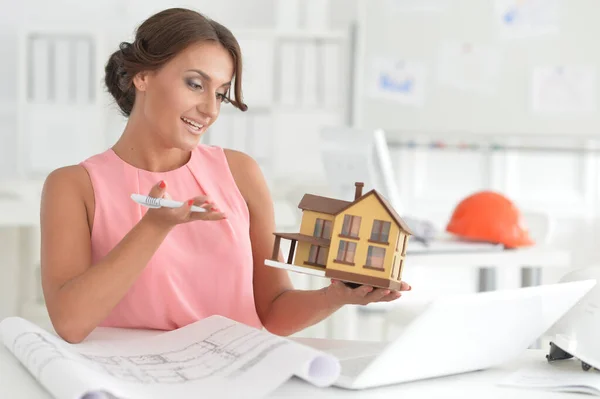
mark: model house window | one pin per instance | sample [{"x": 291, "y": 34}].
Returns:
[
  {"x": 375, "y": 257},
  {"x": 351, "y": 226},
  {"x": 346, "y": 251},
  {"x": 322, "y": 228},
  {"x": 404, "y": 246},
  {"x": 380, "y": 231},
  {"x": 317, "y": 255}
]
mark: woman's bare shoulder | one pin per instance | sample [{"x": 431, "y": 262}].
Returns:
[
  {"x": 71, "y": 186},
  {"x": 248, "y": 176},
  {"x": 72, "y": 178},
  {"x": 244, "y": 168}
]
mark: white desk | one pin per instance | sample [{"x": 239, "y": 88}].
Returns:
[
  {"x": 478, "y": 385},
  {"x": 534, "y": 256},
  {"x": 17, "y": 383},
  {"x": 529, "y": 262}
]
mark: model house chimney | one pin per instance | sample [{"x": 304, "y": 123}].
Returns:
[{"x": 358, "y": 189}]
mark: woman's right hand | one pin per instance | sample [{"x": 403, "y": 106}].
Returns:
[{"x": 169, "y": 217}]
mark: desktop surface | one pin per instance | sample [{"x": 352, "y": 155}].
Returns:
[
  {"x": 478, "y": 384},
  {"x": 17, "y": 383}
]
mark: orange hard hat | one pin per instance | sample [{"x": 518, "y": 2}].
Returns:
[{"x": 491, "y": 217}]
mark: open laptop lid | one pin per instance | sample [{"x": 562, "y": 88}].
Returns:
[
  {"x": 350, "y": 155},
  {"x": 470, "y": 332}
]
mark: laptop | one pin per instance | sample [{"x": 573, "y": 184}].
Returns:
[{"x": 462, "y": 333}]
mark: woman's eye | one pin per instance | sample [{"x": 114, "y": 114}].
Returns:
[
  {"x": 222, "y": 97},
  {"x": 194, "y": 85}
]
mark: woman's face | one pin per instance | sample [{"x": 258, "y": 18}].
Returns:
[{"x": 183, "y": 98}]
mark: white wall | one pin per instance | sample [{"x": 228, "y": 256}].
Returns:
[{"x": 115, "y": 21}]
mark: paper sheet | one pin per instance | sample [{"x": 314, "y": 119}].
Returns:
[
  {"x": 402, "y": 81},
  {"x": 469, "y": 67},
  {"x": 215, "y": 357},
  {"x": 568, "y": 90},
  {"x": 526, "y": 18},
  {"x": 562, "y": 376}
]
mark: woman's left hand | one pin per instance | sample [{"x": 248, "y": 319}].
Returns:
[{"x": 340, "y": 294}]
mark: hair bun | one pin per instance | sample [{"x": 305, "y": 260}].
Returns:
[
  {"x": 125, "y": 48},
  {"x": 117, "y": 81}
]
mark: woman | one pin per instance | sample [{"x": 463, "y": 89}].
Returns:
[{"x": 107, "y": 261}]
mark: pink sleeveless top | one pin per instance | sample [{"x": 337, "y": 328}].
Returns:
[{"x": 202, "y": 268}]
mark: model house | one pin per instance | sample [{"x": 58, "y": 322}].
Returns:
[{"x": 361, "y": 241}]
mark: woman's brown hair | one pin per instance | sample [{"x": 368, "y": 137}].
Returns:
[{"x": 160, "y": 38}]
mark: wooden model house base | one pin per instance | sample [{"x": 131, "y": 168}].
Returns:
[{"x": 362, "y": 241}]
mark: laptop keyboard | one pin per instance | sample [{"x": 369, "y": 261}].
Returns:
[{"x": 354, "y": 366}]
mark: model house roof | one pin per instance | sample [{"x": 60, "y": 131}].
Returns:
[
  {"x": 334, "y": 207},
  {"x": 320, "y": 204},
  {"x": 388, "y": 208}
]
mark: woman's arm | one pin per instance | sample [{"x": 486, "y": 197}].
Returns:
[
  {"x": 282, "y": 309},
  {"x": 80, "y": 295}
]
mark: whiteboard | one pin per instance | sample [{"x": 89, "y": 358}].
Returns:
[{"x": 516, "y": 91}]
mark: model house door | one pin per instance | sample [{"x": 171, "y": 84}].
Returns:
[{"x": 318, "y": 254}]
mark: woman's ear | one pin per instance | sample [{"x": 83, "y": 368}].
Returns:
[{"x": 140, "y": 81}]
